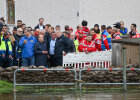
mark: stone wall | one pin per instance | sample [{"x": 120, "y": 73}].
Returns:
[{"x": 66, "y": 76}]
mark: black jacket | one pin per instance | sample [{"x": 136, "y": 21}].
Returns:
[
  {"x": 62, "y": 44},
  {"x": 18, "y": 37},
  {"x": 40, "y": 58},
  {"x": 38, "y": 27}
]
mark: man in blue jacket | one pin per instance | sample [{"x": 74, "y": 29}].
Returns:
[
  {"x": 27, "y": 47},
  {"x": 123, "y": 30}
]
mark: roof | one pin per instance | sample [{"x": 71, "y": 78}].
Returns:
[{"x": 132, "y": 41}]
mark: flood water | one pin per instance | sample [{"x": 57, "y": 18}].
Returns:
[{"x": 71, "y": 96}]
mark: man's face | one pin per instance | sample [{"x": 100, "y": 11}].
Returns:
[
  {"x": 4, "y": 29},
  {"x": 57, "y": 28},
  {"x": 53, "y": 36},
  {"x": 46, "y": 28},
  {"x": 71, "y": 31},
  {"x": 92, "y": 32},
  {"x": 26, "y": 33},
  {"x": 41, "y": 38},
  {"x": 23, "y": 26},
  {"x": 80, "y": 28},
  {"x": 19, "y": 23},
  {"x": 109, "y": 31},
  {"x": 41, "y": 21},
  {"x": 58, "y": 34},
  {"x": 113, "y": 32},
  {"x": 20, "y": 31},
  {"x": 132, "y": 28},
  {"x": 89, "y": 38},
  {"x": 49, "y": 30},
  {"x": 37, "y": 31},
  {"x": 121, "y": 24},
  {"x": 72, "y": 36},
  {"x": 42, "y": 32}
]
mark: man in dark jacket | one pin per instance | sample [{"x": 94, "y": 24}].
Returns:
[
  {"x": 41, "y": 52},
  {"x": 51, "y": 47},
  {"x": 62, "y": 47},
  {"x": 40, "y": 25},
  {"x": 19, "y": 34}
]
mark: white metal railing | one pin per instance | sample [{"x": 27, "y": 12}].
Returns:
[{"x": 78, "y": 60}]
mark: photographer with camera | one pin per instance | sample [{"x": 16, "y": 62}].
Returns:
[{"x": 123, "y": 30}]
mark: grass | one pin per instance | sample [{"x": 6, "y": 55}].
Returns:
[{"x": 6, "y": 87}]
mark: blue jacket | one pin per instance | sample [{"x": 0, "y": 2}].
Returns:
[
  {"x": 108, "y": 39},
  {"x": 123, "y": 31},
  {"x": 28, "y": 48}
]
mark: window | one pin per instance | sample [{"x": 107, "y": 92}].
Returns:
[{"x": 10, "y": 11}]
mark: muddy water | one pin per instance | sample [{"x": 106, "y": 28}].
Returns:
[{"x": 54, "y": 96}]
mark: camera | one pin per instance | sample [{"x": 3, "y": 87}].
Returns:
[{"x": 117, "y": 25}]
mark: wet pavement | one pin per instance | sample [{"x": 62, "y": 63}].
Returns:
[{"x": 70, "y": 96}]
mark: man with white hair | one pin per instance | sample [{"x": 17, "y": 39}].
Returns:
[
  {"x": 19, "y": 34},
  {"x": 62, "y": 47},
  {"x": 115, "y": 33}
]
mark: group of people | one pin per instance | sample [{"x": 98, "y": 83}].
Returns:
[{"x": 46, "y": 45}]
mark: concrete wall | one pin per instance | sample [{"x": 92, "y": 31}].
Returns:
[
  {"x": 110, "y": 11},
  {"x": 55, "y": 12},
  {"x": 65, "y": 11}
]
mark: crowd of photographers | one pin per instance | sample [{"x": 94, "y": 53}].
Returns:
[{"x": 46, "y": 45}]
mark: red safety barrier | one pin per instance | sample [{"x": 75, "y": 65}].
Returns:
[
  {"x": 22, "y": 69},
  {"x": 110, "y": 69},
  {"x": 45, "y": 69},
  {"x": 66, "y": 69},
  {"x": 132, "y": 69},
  {"x": 88, "y": 69}
]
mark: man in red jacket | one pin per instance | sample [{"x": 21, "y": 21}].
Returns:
[
  {"x": 79, "y": 28},
  {"x": 80, "y": 36},
  {"x": 97, "y": 41},
  {"x": 87, "y": 45},
  {"x": 85, "y": 28}
]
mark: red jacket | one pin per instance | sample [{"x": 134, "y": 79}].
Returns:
[
  {"x": 97, "y": 42},
  {"x": 85, "y": 31},
  {"x": 76, "y": 33},
  {"x": 136, "y": 36},
  {"x": 80, "y": 39},
  {"x": 87, "y": 46}
]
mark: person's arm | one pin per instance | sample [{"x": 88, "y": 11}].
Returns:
[
  {"x": 98, "y": 44},
  {"x": 81, "y": 48},
  {"x": 67, "y": 44},
  {"x": 105, "y": 42},
  {"x": 21, "y": 44},
  {"x": 124, "y": 32}
]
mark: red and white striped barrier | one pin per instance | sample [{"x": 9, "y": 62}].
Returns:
[{"x": 101, "y": 59}]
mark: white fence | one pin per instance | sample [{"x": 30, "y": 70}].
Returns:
[{"x": 78, "y": 60}]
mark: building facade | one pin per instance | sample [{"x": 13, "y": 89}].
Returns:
[{"x": 71, "y": 12}]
